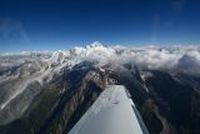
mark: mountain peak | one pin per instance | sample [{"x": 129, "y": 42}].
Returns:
[{"x": 97, "y": 43}]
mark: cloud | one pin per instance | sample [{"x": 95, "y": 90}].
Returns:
[
  {"x": 185, "y": 59},
  {"x": 12, "y": 32},
  {"x": 180, "y": 58}
]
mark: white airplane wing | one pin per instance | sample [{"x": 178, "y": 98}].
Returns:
[{"x": 112, "y": 113}]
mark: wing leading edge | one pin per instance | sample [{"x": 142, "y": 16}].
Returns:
[{"x": 112, "y": 113}]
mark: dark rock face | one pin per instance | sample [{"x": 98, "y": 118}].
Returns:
[
  {"x": 173, "y": 99},
  {"x": 168, "y": 102},
  {"x": 61, "y": 103}
]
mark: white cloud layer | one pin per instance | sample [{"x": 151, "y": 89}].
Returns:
[{"x": 179, "y": 58}]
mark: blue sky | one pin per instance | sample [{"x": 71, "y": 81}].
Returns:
[{"x": 60, "y": 24}]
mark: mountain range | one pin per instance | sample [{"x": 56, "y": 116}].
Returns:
[{"x": 48, "y": 92}]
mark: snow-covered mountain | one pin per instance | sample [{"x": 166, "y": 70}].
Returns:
[{"x": 48, "y": 92}]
